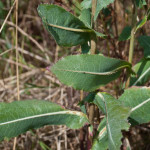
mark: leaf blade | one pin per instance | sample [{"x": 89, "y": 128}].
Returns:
[
  {"x": 144, "y": 43},
  {"x": 53, "y": 18},
  {"x": 24, "y": 115},
  {"x": 100, "y": 5},
  {"x": 90, "y": 71},
  {"x": 142, "y": 70},
  {"x": 116, "y": 116},
  {"x": 134, "y": 98}
]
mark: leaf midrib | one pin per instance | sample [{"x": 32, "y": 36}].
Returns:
[
  {"x": 95, "y": 73},
  {"x": 43, "y": 115},
  {"x": 140, "y": 105}
]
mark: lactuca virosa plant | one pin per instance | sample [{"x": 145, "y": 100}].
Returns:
[{"x": 88, "y": 72}]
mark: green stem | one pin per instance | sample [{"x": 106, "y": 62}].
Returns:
[{"x": 131, "y": 49}]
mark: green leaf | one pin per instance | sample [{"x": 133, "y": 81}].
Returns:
[
  {"x": 116, "y": 116},
  {"x": 86, "y": 17},
  {"x": 86, "y": 4},
  {"x": 101, "y": 141},
  {"x": 2, "y": 10},
  {"x": 66, "y": 29},
  {"x": 100, "y": 5},
  {"x": 19, "y": 117},
  {"x": 141, "y": 23},
  {"x": 145, "y": 43},
  {"x": 140, "y": 3},
  {"x": 85, "y": 48},
  {"x": 139, "y": 100},
  {"x": 126, "y": 34},
  {"x": 88, "y": 72},
  {"x": 142, "y": 70}
]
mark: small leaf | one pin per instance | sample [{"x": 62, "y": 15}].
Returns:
[
  {"x": 142, "y": 70},
  {"x": 86, "y": 17},
  {"x": 88, "y": 72},
  {"x": 145, "y": 43},
  {"x": 66, "y": 29},
  {"x": 116, "y": 116},
  {"x": 126, "y": 34},
  {"x": 141, "y": 23},
  {"x": 86, "y": 4},
  {"x": 19, "y": 117},
  {"x": 139, "y": 100},
  {"x": 85, "y": 48},
  {"x": 100, "y": 5},
  {"x": 101, "y": 141},
  {"x": 140, "y": 3}
]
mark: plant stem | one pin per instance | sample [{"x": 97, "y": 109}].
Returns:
[
  {"x": 92, "y": 51},
  {"x": 131, "y": 49},
  {"x": 93, "y": 42}
]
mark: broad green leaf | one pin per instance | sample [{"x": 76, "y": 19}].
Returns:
[
  {"x": 66, "y": 29},
  {"x": 140, "y": 3},
  {"x": 139, "y": 100},
  {"x": 86, "y": 4},
  {"x": 101, "y": 141},
  {"x": 19, "y": 117},
  {"x": 116, "y": 116},
  {"x": 88, "y": 72},
  {"x": 145, "y": 43},
  {"x": 142, "y": 70},
  {"x": 126, "y": 34},
  {"x": 100, "y": 5}
]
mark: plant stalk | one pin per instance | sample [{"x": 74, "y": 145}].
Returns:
[
  {"x": 92, "y": 51},
  {"x": 131, "y": 49}
]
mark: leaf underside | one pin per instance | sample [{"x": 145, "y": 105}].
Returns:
[
  {"x": 19, "y": 117},
  {"x": 116, "y": 116},
  {"x": 142, "y": 70},
  {"x": 139, "y": 100}
]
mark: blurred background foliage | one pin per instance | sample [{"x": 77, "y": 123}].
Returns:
[{"x": 38, "y": 50}]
